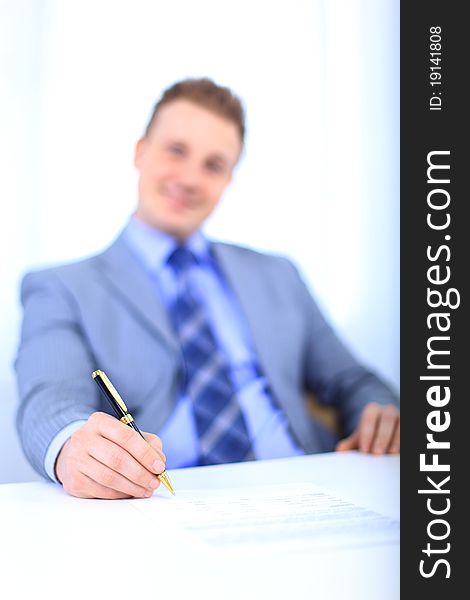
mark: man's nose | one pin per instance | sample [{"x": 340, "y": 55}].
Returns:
[{"x": 190, "y": 175}]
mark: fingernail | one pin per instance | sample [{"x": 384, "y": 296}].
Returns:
[
  {"x": 153, "y": 484},
  {"x": 158, "y": 466},
  {"x": 148, "y": 493}
]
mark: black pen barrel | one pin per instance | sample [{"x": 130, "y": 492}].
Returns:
[
  {"x": 108, "y": 397},
  {"x": 134, "y": 426}
]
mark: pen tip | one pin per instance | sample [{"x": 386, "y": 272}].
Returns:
[{"x": 163, "y": 477}]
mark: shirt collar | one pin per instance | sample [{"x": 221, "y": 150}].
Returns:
[{"x": 153, "y": 246}]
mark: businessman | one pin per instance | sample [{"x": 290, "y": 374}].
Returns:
[{"x": 211, "y": 345}]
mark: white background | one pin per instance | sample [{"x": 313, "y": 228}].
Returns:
[{"x": 319, "y": 181}]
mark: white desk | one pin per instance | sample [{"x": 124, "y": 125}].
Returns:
[{"x": 55, "y": 546}]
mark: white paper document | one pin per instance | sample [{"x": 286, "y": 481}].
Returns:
[{"x": 270, "y": 518}]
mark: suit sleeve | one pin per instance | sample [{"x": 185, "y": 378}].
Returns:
[
  {"x": 332, "y": 372},
  {"x": 53, "y": 366}
]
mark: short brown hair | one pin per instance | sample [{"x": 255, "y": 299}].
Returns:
[{"x": 218, "y": 99}]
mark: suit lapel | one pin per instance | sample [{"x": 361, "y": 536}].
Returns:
[
  {"x": 265, "y": 324},
  {"x": 128, "y": 279},
  {"x": 255, "y": 304}
]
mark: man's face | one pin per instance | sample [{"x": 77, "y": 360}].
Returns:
[{"x": 184, "y": 164}]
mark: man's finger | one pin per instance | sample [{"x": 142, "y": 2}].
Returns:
[
  {"x": 82, "y": 486},
  {"x": 387, "y": 423},
  {"x": 367, "y": 426},
  {"x": 130, "y": 440},
  {"x": 109, "y": 464},
  {"x": 106, "y": 477},
  {"x": 349, "y": 443},
  {"x": 156, "y": 443},
  {"x": 395, "y": 444}
]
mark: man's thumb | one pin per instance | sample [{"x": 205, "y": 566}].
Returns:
[{"x": 349, "y": 443}]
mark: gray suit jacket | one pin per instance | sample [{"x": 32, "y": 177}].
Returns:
[{"x": 103, "y": 313}]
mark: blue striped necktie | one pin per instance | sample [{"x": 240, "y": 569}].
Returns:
[{"x": 222, "y": 431}]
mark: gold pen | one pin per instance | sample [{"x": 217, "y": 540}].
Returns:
[{"x": 119, "y": 407}]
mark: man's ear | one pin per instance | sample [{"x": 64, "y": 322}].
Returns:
[{"x": 138, "y": 152}]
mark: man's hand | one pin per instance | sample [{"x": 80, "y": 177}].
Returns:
[
  {"x": 378, "y": 431},
  {"x": 107, "y": 459}
]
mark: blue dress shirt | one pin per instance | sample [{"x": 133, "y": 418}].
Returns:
[{"x": 266, "y": 423}]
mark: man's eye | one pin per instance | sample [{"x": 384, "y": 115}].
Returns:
[
  {"x": 215, "y": 167},
  {"x": 176, "y": 149}
]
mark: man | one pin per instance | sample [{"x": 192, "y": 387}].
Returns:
[{"x": 211, "y": 345}]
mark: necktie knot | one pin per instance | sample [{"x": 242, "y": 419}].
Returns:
[{"x": 181, "y": 259}]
